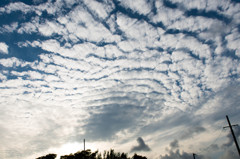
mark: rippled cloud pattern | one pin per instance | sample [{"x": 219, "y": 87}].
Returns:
[{"x": 111, "y": 71}]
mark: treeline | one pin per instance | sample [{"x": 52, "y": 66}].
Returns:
[{"x": 87, "y": 154}]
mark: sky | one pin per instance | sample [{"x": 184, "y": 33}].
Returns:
[{"x": 152, "y": 77}]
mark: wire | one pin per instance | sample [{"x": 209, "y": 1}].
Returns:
[{"x": 209, "y": 146}]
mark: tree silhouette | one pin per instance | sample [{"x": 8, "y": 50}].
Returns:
[
  {"x": 112, "y": 155},
  {"x": 49, "y": 156},
  {"x": 135, "y": 156},
  {"x": 87, "y": 154},
  {"x": 71, "y": 156}
]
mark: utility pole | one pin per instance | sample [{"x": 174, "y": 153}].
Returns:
[
  {"x": 194, "y": 155},
  {"x": 234, "y": 138},
  {"x": 84, "y": 144}
]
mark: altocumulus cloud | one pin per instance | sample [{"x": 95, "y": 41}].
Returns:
[
  {"x": 111, "y": 71},
  {"x": 3, "y": 48}
]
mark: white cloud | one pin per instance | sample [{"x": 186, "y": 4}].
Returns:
[
  {"x": 51, "y": 45},
  {"x": 49, "y": 28},
  {"x": 233, "y": 40},
  {"x": 9, "y": 28},
  {"x": 180, "y": 41},
  {"x": 216, "y": 75},
  {"x": 140, "y": 31},
  {"x": 100, "y": 9},
  {"x": 18, "y": 6},
  {"x": 84, "y": 27},
  {"x": 2, "y": 77},
  {"x": 204, "y": 4},
  {"x": 3, "y": 48},
  {"x": 51, "y": 8},
  {"x": 28, "y": 28},
  {"x": 129, "y": 45},
  {"x": 34, "y": 75},
  {"x": 196, "y": 24},
  {"x": 158, "y": 77},
  {"x": 223, "y": 102},
  {"x": 140, "y": 6},
  {"x": 165, "y": 15},
  {"x": 33, "y": 122}
]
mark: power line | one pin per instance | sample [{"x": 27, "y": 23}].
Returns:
[
  {"x": 212, "y": 143},
  {"x": 234, "y": 137}
]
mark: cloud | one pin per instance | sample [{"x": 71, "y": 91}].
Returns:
[
  {"x": 107, "y": 121},
  {"x": 193, "y": 131},
  {"x": 176, "y": 120},
  {"x": 40, "y": 128},
  {"x": 3, "y": 48},
  {"x": 216, "y": 104},
  {"x": 174, "y": 144},
  {"x": 207, "y": 14},
  {"x": 229, "y": 154},
  {"x": 230, "y": 137},
  {"x": 161, "y": 69},
  {"x": 9, "y": 28},
  {"x": 141, "y": 146},
  {"x": 100, "y": 10},
  {"x": 18, "y": 6},
  {"x": 177, "y": 154},
  {"x": 233, "y": 38},
  {"x": 141, "y": 6},
  {"x": 12, "y": 62}
]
